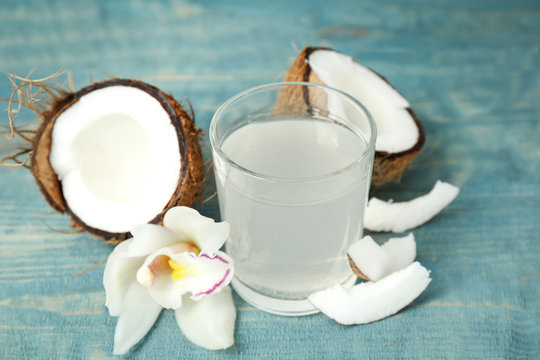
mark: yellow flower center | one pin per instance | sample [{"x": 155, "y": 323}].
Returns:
[{"x": 180, "y": 271}]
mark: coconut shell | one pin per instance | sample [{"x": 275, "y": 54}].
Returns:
[
  {"x": 355, "y": 269},
  {"x": 386, "y": 166},
  {"x": 191, "y": 172}
]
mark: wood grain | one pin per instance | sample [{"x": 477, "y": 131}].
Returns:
[{"x": 468, "y": 68}]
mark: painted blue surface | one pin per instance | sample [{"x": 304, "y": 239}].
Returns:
[{"x": 470, "y": 70}]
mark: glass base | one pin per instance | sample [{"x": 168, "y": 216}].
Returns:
[{"x": 279, "y": 306}]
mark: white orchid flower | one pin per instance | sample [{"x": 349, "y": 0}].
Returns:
[{"x": 176, "y": 266}]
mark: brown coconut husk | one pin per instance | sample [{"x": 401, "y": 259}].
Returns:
[
  {"x": 191, "y": 172},
  {"x": 387, "y": 166},
  {"x": 355, "y": 269}
]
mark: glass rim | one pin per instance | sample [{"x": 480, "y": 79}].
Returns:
[{"x": 370, "y": 145}]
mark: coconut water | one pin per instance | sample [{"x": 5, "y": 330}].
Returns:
[{"x": 294, "y": 192}]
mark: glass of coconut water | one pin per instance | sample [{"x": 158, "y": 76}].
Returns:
[{"x": 293, "y": 165}]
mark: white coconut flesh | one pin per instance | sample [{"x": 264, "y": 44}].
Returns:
[
  {"x": 117, "y": 156},
  {"x": 401, "y": 251},
  {"x": 402, "y": 216},
  {"x": 396, "y": 129},
  {"x": 372, "y": 301},
  {"x": 377, "y": 262}
]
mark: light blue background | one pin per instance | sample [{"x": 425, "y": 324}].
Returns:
[{"x": 470, "y": 70}]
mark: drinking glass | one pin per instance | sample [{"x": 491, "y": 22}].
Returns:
[{"x": 292, "y": 163}]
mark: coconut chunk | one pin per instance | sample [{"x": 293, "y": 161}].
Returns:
[
  {"x": 400, "y": 135},
  {"x": 401, "y": 250},
  {"x": 373, "y": 262},
  {"x": 368, "y": 260},
  {"x": 372, "y": 301},
  {"x": 402, "y": 216}
]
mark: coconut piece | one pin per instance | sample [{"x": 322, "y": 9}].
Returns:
[
  {"x": 400, "y": 134},
  {"x": 367, "y": 259},
  {"x": 115, "y": 154},
  {"x": 372, "y": 301},
  {"x": 372, "y": 262},
  {"x": 402, "y": 216},
  {"x": 402, "y": 251}
]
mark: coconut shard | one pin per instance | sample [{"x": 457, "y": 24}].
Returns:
[
  {"x": 400, "y": 134},
  {"x": 115, "y": 154}
]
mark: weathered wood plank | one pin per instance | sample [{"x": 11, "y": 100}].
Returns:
[{"x": 469, "y": 68}]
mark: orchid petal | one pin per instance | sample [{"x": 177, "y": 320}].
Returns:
[
  {"x": 216, "y": 272},
  {"x": 148, "y": 238},
  {"x": 203, "y": 231},
  {"x": 165, "y": 293},
  {"x": 139, "y": 312},
  {"x": 205, "y": 276},
  {"x": 209, "y": 322},
  {"x": 118, "y": 275}
]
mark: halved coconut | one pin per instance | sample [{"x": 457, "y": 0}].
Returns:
[
  {"x": 400, "y": 135},
  {"x": 115, "y": 154}
]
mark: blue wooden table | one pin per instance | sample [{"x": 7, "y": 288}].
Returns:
[{"x": 471, "y": 70}]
